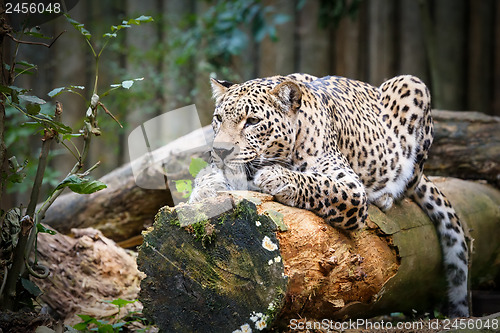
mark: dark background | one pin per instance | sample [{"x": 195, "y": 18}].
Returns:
[{"x": 453, "y": 45}]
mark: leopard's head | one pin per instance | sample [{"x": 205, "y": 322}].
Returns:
[{"x": 254, "y": 123}]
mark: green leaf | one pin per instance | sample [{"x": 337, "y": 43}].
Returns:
[
  {"x": 32, "y": 99},
  {"x": 41, "y": 228},
  {"x": 78, "y": 26},
  {"x": 86, "y": 321},
  {"x": 119, "y": 325},
  {"x": 196, "y": 165},
  {"x": 47, "y": 122},
  {"x": 127, "y": 84},
  {"x": 26, "y": 70},
  {"x": 33, "y": 108},
  {"x": 80, "y": 326},
  {"x": 143, "y": 19},
  {"x": 128, "y": 24},
  {"x": 37, "y": 35},
  {"x": 24, "y": 63},
  {"x": 57, "y": 91},
  {"x": 5, "y": 90},
  {"x": 31, "y": 287},
  {"x": 105, "y": 328},
  {"x": 88, "y": 187},
  {"x": 120, "y": 302},
  {"x": 68, "y": 136},
  {"x": 184, "y": 186},
  {"x": 81, "y": 185}
]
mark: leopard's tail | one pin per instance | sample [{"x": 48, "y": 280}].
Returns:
[{"x": 453, "y": 243}]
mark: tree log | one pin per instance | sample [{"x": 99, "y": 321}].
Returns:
[
  {"x": 86, "y": 273},
  {"x": 467, "y": 145},
  {"x": 258, "y": 263}
]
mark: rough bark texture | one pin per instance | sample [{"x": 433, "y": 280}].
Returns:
[
  {"x": 467, "y": 145},
  {"x": 215, "y": 275},
  {"x": 86, "y": 273}
]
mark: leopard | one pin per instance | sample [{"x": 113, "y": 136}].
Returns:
[{"x": 334, "y": 145}]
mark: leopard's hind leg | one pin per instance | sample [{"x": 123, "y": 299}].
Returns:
[{"x": 452, "y": 239}]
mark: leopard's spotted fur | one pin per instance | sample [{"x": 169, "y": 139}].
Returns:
[{"x": 333, "y": 145}]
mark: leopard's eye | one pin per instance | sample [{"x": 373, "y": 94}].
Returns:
[
  {"x": 252, "y": 121},
  {"x": 218, "y": 117}
]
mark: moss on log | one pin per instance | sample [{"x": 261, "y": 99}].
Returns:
[
  {"x": 206, "y": 274},
  {"x": 211, "y": 266}
]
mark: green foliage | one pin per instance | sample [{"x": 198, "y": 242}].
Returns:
[
  {"x": 196, "y": 165},
  {"x": 33, "y": 115},
  {"x": 41, "y": 228},
  {"x": 92, "y": 324},
  {"x": 80, "y": 184},
  {"x": 101, "y": 326},
  {"x": 226, "y": 28},
  {"x": 120, "y": 303},
  {"x": 127, "y": 24},
  {"x": 185, "y": 186}
]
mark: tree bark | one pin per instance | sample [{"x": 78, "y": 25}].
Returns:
[
  {"x": 260, "y": 263},
  {"x": 467, "y": 145},
  {"x": 87, "y": 271}
]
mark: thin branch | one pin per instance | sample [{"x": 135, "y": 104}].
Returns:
[
  {"x": 86, "y": 173},
  {"x": 35, "y": 43},
  {"x": 49, "y": 135},
  {"x": 71, "y": 151},
  {"x": 109, "y": 113},
  {"x": 42, "y": 163}
]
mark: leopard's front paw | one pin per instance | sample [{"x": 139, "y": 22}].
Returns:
[
  {"x": 209, "y": 181},
  {"x": 275, "y": 181}
]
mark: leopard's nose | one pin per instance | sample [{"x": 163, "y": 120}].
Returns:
[{"x": 223, "y": 150}]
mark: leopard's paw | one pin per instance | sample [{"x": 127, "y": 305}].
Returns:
[
  {"x": 206, "y": 185},
  {"x": 384, "y": 202},
  {"x": 274, "y": 180}
]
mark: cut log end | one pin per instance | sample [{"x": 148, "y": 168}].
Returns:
[{"x": 213, "y": 274}]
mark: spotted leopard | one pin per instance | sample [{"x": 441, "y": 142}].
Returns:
[{"x": 333, "y": 145}]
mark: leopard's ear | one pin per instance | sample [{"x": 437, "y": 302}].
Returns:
[
  {"x": 219, "y": 88},
  {"x": 289, "y": 96}
]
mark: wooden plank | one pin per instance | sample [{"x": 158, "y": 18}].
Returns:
[
  {"x": 480, "y": 52},
  {"x": 314, "y": 48},
  {"x": 381, "y": 41},
  {"x": 450, "y": 42},
  {"x": 277, "y": 57},
  {"x": 411, "y": 51}
]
